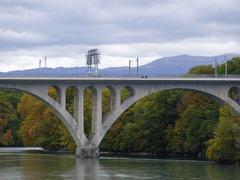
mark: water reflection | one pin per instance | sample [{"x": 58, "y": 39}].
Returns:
[
  {"x": 61, "y": 167},
  {"x": 153, "y": 169},
  {"x": 87, "y": 169}
]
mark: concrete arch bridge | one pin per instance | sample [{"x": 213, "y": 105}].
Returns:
[{"x": 218, "y": 88}]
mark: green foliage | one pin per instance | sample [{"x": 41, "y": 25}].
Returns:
[
  {"x": 233, "y": 66},
  {"x": 40, "y": 127},
  {"x": 87, "y": 112},
  {"x": 198, "y": 117},
  {"x": 142, "y": 128},
  {"x": 106, "y": 101},
  {"x": 225, "y": 147},
  {"x": 201, "y": 69},
  {"x": 9, "y": 121},
  {"x": 70, "y": 100}
]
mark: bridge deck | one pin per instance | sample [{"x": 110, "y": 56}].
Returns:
[{"x": 119, "y": 80}]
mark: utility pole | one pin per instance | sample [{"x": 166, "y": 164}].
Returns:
[
  {"x": 215, "y": 67},
  {"x": 45, "y": 61},
  {"x": 226, "y": 67},
  {"x": 40, "y": 63},
  {"x": 129, "y": 70},
  {"x": 137, "y": 67}
]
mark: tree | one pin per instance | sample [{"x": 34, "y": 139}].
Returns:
[
  {"x": 40, "y": 127},
  {"x": 142, "y": 128},
  {"x": 201, "y": 69},
  {"x": 198, "y": 118},
  {"x": 9, "y": 120},
  {"x": 224, "y": 147}
]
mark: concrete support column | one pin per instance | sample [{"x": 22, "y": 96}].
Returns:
[
  {"x": 97, "y": 112},
  {"x": 89, "y": 149},
  {"x": 62, "y": 97},
  {"x": 79, "y": 109},
  {"x": 117, "y": 97},
  {"x": 87, "y": 152}
]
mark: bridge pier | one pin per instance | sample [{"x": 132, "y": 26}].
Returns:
[{"x": 87, "y": 152}]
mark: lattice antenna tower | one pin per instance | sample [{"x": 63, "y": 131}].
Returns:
[{"x": 92, "y": 61}]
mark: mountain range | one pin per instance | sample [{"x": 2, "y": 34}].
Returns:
[{"x": 166, "y": 66}]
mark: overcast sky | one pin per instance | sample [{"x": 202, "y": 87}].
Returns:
[{"x": 120, "y": 29}]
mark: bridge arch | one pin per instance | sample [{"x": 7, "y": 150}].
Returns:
[
  {"x": 219, "y": 95},
  {"x": 42, "y": 95}
]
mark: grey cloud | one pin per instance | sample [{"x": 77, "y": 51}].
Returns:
[{"x": 114, "y": 21}]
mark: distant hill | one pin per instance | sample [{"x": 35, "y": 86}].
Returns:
[{"x": 166, "y": 66}]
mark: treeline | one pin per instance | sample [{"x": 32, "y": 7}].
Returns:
[
  {"x": 172, "y": 122},
  {"x": 9, "y": 119},
  {"x": 169, "y": 122}
]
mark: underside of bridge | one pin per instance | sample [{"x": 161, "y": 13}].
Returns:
[{"x": 88, "y": 143}]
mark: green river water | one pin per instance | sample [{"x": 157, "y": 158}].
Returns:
[{"x": 26, "y": 166}]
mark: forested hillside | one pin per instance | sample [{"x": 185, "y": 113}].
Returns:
[
  {"x": 9, "y": 119},
  {"x": 169, "y": 122}
]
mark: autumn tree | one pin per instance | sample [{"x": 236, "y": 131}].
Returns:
[
  {"x": 41, "y": 127},
  {"x": 225, "y": 146}
]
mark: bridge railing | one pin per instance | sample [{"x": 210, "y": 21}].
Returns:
[{"x": 121, "y": 76}]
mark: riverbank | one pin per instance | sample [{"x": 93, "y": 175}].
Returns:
[
  {"x": 152, "y": 156},
  {"x": 165, "y": 156},
  {"x": 20, "y": 149}
]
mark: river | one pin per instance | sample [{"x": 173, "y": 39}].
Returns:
[{"x": 30, "y": 166}]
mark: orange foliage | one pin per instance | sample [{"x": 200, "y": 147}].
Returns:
[{"x": 7, "y": 137}]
